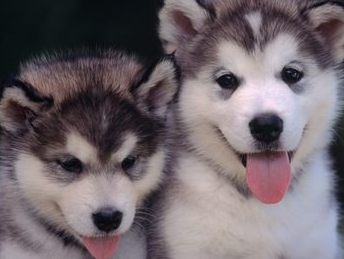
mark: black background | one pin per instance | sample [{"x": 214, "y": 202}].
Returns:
[{"x": 28, "y": 28}]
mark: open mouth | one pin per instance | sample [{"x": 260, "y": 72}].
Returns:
[
  {"x": 268, "y": 174},
  {"x": 103, "y": 247},
  {"x": 243, "y": 157}
]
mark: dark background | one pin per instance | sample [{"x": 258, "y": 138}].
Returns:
[{"x": 28, "y": 28}]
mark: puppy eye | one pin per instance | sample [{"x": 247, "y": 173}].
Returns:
[
  {"x": 291, "y": 75},
  {"x": 228, "y": 81},
  {"x": 72, "y": 165},
  {"x": 129, "y": 162}
]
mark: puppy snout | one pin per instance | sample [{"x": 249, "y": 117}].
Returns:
[
  {"x": 107, "y": 219},
  {"x": 266, "y": 128}
]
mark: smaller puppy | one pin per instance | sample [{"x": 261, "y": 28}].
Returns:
[{"x": 81, "y": 148}]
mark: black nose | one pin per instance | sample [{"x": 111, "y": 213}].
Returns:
[
  {"x": 107, "y": 219},
  {"x": 266, "y": 127}
]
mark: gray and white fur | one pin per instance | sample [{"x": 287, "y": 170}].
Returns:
[
  {"x": 234, "y": 57},
  {"x": 81, "y": 133}
]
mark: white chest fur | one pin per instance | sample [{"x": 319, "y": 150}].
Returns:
[{"x": 208, "y": 218}]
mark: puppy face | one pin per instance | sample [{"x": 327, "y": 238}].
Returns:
[
  {"x": 236, "y": 87},
  {"x": 253, "y": 77},
  {"x": 88, "y": 156},
  {"x": 86, "y": 161},
  {"x": 248, "y": 63}
]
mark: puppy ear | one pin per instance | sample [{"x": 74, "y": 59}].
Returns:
[
  {"x": 157, "y": 88},
  {"x": 181, "y": 20},
  {"x": 327, "y": 18},
  {"x": 20, "y": 105}
]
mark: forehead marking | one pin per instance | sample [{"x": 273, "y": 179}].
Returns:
[
  {"x": 278, "y": 53},
  {"x": 80, "y": 148},
  {"x": 254, "y": 19},
  {"x": 128, "y": 144},
  {"x": 234, "y": 58}
]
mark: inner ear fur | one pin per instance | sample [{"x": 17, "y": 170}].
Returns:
[
  {"x": 157, "y": 88},
  {"x": 20, "y": 104},
  {"x": 181, "y": 20},
  {"x": 327, "y": 18}
]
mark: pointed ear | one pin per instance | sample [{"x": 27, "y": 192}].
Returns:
[
  {"x": 157, "y": 88},
  {"x": 181, "y": 20},
  {"x": 20, "y": 105},
  {"x": 327, "y": 18}
]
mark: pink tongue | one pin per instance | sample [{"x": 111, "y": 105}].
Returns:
[
  {"x": 268, "y": 175},
  {"x": 102, "y": 247}
]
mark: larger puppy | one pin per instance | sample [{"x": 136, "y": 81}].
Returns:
[{"x": 250, "y": 176}]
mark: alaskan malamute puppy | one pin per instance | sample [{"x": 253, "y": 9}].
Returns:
[
  {"x": 251, "y": 177},
  {"x": 81, "y": 147}
]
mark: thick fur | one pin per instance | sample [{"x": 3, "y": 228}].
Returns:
[
  {"x": 99, "y": 109},
  {"x": 205, "y": 210}
]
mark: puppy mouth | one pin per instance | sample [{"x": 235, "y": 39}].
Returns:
[
  {"x": 268, "y": 171},
  {"x": 243, "y": 157},
  {"x": 268, "y": 174},
  {"x": 101, "y": 247},
  {"x": 263, "y": 149}
]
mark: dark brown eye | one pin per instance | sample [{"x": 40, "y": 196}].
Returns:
[
  {"x": 129, "y": 162},
  {"x": 228, "y": 81},
  {"x": 291, "y": 75},
  {"x": 72, "y": 165}
]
